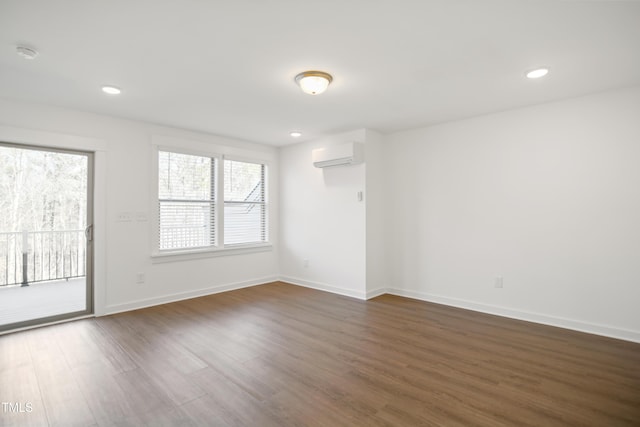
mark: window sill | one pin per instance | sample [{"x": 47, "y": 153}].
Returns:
[{"x": 186, "y": 255}]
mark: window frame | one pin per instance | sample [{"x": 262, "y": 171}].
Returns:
[
  {"x": 265, "y": 186},
  {"x": 212, "y": 202},
  {"x": 220, "y": 249}
]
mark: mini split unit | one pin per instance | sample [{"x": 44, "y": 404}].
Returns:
[{"x": 338, "y": 155}]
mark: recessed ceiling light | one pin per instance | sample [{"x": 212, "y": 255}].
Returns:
[
  {"x": 26, "y": 52},
  {"x": 111, "y": 90},
  {"x": 313, "y": 82},
  {"x": 296, "y": 134},
  {"x": 537, "y": 73}
]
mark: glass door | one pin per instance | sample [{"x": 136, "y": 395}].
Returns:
[{"x": 46, "y": 235}]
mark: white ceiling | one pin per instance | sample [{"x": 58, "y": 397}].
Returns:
[{"x": 227, "y": 66}]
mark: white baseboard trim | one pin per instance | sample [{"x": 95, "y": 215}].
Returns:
[
  {"x": 377, "y": 292},
  {"x": 165, "y": 299},
  {"x": 323, "y": 287},
  {"x": 544, "y": 319}
]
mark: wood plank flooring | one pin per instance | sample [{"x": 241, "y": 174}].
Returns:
[{"x": 282, "y": 355}]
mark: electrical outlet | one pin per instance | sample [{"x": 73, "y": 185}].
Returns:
[
  {"x": 499, "y": 283},
  {"x": 140, "y": 278},
  {"x": 305, "y": 263}
]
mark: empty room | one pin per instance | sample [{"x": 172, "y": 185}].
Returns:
[{"x": 338, "y": 213}]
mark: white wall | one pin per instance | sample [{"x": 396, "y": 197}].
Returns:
[
  {"x": 123, "y": 184},
  {"x": 322, "y": 220},
  {"x": 376, "y": 198},
  {"x": 547, "y": 197}
]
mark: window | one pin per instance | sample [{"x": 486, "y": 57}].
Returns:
[
  {"x": 190, "y": 216},
  {"x": 187, "y": 203},
  {"x": 245, "y": 210}
]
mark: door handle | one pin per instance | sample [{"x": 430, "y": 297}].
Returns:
[{"x": 88, "y": 233}]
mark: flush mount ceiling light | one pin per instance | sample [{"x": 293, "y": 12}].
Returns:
[
  {"x": 26, "y": 52},
  {"x": 296, "y": 134},
  {"x": 313, "y": 82},
  {"x": 111, "y": 90},
  {"x": 537, "y": 73}
]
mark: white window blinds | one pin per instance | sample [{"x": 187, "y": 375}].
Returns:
[
  {"x": 245, "y": 209},
  {"x": 186, "y": 197}
]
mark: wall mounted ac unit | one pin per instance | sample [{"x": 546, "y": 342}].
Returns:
[{"x": 338, "y": 155}]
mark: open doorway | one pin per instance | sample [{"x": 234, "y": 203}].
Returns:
[{"x": 46, "y": 235}]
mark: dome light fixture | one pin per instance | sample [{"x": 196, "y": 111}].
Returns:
[
  {"x": 537, "y": 73},
  {"x": 313, "y": 82},
  {"x": 296, "y": 134},
  {"x": 26, "y": 52},
  {"x": 111, "y": 90}
]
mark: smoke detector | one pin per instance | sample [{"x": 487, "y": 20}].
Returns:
[{"x": 26, "y": 52}]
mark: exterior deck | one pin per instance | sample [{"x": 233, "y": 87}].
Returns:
[{"x": 41, "y": 299}]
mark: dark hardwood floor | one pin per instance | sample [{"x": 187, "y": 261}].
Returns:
[{"x": 279, "y": 355}]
